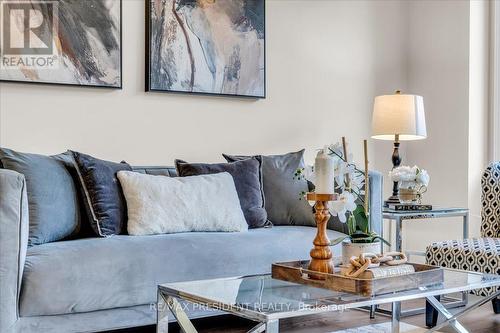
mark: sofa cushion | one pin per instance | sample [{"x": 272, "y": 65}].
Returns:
[
  {"x": 103, "y": 273},
  {"x": 163, "y": 205},
  {"x": 54, "y": 210},
  {"x": 281, "y": 191},
  {"x": 247, "y": 178},
  {"x": 104, "y": 197}
]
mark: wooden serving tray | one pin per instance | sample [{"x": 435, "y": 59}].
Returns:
[{"x": 296, "y": 271}]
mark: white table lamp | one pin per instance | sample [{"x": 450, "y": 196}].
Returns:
[{"x": 398, "y": 117}]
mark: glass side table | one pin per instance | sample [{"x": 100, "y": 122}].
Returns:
[{"x": 399, "y": 216}]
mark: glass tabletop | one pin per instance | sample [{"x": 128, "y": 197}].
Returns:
[{"x": 262, "y": 297}]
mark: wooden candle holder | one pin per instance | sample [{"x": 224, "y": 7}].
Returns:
[{"x": 321, "y": 254}]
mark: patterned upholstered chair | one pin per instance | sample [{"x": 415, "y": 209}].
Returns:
[{"x": 475, "y": 254}]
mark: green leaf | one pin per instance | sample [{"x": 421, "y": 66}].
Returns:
[
  {"x": 338, "y": 240},
  {"x": 363, "y": 240},
  {"x": 362, "y": 221},
  {"x": 382, "y": 239},
  {"x": 351, "y": 224}
]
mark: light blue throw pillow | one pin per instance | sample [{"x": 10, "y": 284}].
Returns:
[{"x": 54, "y": 209}]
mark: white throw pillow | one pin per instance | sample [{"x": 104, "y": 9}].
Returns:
[{"x": 160, "y": 204}]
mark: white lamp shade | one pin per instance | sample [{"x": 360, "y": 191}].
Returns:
[{"x": 399, "y": 114}]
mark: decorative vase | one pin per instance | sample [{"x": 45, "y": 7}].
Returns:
[
  {"x": 408, "y": 193},
  {"x": 350, "y": 249},
  {"x": 408, "y": 196}
]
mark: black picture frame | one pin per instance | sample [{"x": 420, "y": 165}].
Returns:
[
  {"x": 147, "y": 72},
  {"x": 118, "y": 87}
]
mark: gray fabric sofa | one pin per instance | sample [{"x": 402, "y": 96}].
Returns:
[{"x": 101, "y": 284}]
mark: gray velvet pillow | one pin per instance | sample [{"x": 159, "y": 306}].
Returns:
[
  {"x": 281, "y": 191},
  {"x": 247, "y": 179},
  {"x": 54, "y": 208}
]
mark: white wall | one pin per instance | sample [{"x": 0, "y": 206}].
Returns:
[
  {"x": 438, "y": 69},
  {"x": 326, "y": 60},
  {"x": 479, "y": 77},
  {"x": 448, "y": 65}
]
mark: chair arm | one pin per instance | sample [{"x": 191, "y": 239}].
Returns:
[
  {"x": 14, "y": 230},
  {"x": 490, "y": 199}
]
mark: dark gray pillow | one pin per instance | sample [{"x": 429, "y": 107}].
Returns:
[
  {"x": 246, "y": 175},
  {"x": 104, "y": 197},
  {"x": 54, "y": 209},
  {"x": 281, "y": 191}
]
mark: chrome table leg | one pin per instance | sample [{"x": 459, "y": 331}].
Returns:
[
  {"x": 161, "y": 314},
  {"x": 399, "y": 234},
  {"x": 181, "y": 316},
  {"x": 452, "y": 319},
  {"x": 396, "y": 317},
  {"x": 273, "y": 326}
]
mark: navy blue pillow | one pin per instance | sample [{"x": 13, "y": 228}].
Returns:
[
  {"x": 247, "y": 180},
  {"x": 104, "y": 197}
]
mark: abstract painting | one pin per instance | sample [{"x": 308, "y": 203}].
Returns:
[
  {"x": 206, "y": 46},
  {"x": 70, "y": 42}
]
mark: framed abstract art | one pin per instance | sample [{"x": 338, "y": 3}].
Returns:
[
  {"x": 206, "y": 47},
  {"x": 69, "y": 42}
]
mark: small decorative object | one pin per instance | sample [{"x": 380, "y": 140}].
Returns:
[
  {"x": 409, "y": 207},
  {"x": 321, "y": 254},
  {"x": 354, "y": 249},
  {"x": 206, "y": 47},
  {"x": 398, "y": 117},
  {"x": 62, "y": 42},
  {"x": 375, "y": 281},
  {"x": 324, "y": 167},
  {"x": 352, "y": 203},
  {"x": 360, "y": 238},
  {"x": 412, "y": 182},
  {"x": 370, "y": 265}
]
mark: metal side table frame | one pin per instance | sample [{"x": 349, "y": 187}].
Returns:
[{"x": 398, "y": 217}]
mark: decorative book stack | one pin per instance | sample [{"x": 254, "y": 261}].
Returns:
[
  {"x": 409, "y": 207},
  {"x": 382, "y": 271}
]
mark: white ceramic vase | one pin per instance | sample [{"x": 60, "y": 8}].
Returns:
[{"x": 355, "y": 249}]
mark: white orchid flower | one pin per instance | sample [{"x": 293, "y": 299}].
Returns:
[
  {"x": 341, "y": 169},
  {"x": 345, "y": 203},
  {"x": 357, "y": 182},
  {"x": 336, "y": 148}
]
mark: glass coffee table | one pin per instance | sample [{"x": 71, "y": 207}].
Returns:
[{"x": 266, "y": 300}]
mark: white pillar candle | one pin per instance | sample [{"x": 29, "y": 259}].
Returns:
[{"x": 323, "y": 169}]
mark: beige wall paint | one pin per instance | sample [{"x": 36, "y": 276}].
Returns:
[
  {"x": 479, "y": 77},
  {"x": 326, "y": 60},
  {"x": 438, "y": 69}
]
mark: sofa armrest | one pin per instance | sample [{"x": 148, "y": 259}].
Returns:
[
  {"x": 14, "y": 231},
  {"x": 376, "y": 201}
]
